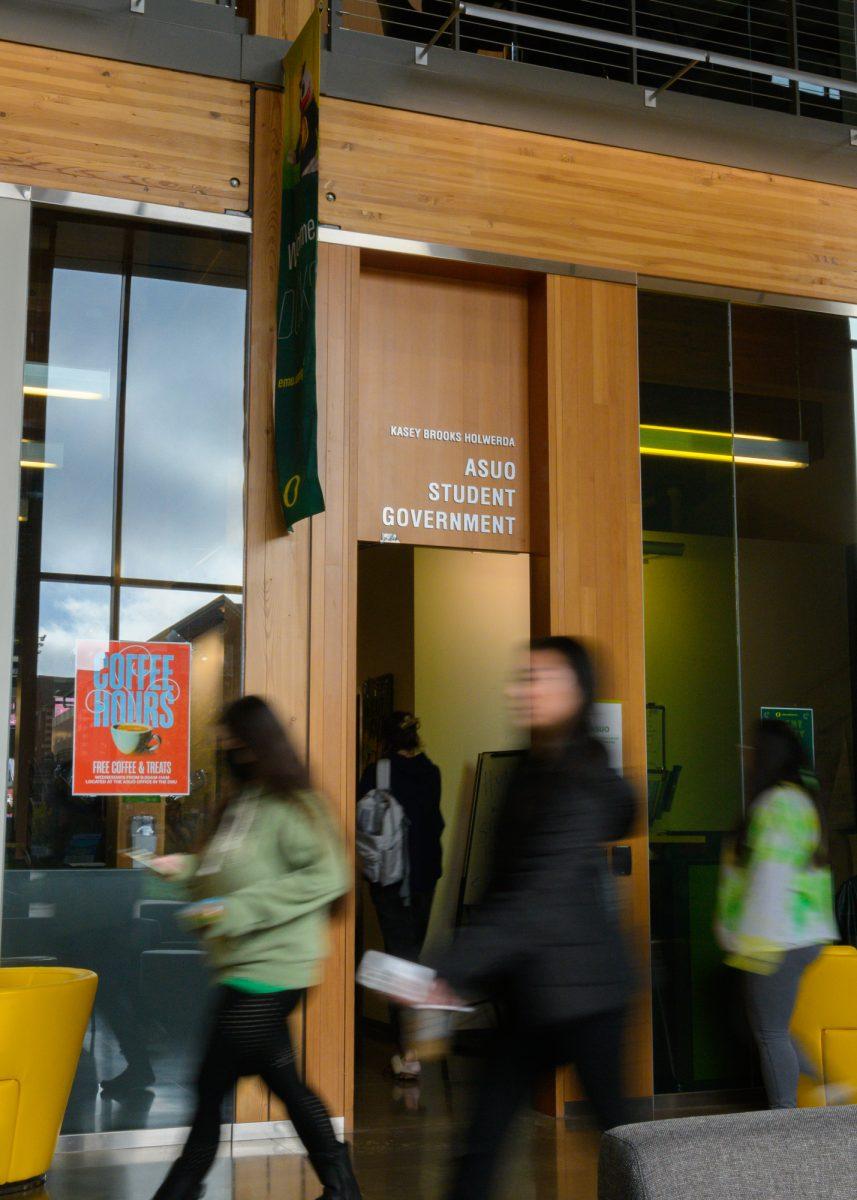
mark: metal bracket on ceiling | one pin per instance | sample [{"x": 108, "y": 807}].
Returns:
[
  {"x": 421, "y": 53},
  {"x": 651, "y": 94}
]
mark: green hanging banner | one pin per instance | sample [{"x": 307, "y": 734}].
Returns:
[{"x": 295, "y": 411}]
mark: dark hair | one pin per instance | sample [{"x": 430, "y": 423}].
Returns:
[
  {"x": 578, "y": 658},
  {"x": 400, "y": 732},
  {"x": 253, "y": 723},
  {"x": 779, "y": 757}
]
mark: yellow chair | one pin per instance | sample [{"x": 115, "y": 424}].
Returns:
[
  {"x": 825, "y": 1022},
  {"x": 44, "y": 1012}
]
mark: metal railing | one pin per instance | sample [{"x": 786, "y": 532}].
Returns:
[{"x": 799, "y": 53}]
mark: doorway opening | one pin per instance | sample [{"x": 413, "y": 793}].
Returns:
[{"x": 437, "y": 633}]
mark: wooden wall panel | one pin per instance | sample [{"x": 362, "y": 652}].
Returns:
[
  {"x": 409, "y": 175},
  {"x": 594, "y": 568},
  {"x": 276, "y": 598},
  {"x": 93, "y": 125},
  {"x": 478, "y": 385},
  {"x": 329, "y": 1037}
]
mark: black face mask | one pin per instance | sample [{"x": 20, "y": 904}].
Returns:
[{"x": 241, "y": 764}]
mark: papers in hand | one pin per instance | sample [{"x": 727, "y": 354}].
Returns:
[
  {"x": 400, "y": 979},
  {"x": 395, "y": 976},
  {"x": 145, "y": 858}
]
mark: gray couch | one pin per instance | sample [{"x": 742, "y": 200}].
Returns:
[{"x": 799, "y": 1154}]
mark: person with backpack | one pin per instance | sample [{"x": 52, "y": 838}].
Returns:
[
  {"x": 263, "y": 886},
  {"x": 399, "y": 830}
]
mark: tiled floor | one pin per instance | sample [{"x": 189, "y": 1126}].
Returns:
[{"x": 401, "y": 1144}]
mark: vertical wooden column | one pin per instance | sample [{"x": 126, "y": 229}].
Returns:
[
  {"x": 281, "y": 18},
  {"x": 276, "y": 596},
  {"x": 329, "y": 1034},
  {"x": 277, "y": 644},
  {"x": 587, "y": 561}
]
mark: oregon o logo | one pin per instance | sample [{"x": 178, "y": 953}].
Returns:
[{"x": 291, "y": 490}]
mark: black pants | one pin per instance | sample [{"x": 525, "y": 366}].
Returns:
[
  {"x": 403, "y": 928},
  {"x": 249, "y": 1037},
  {"x": 519, "y": 1056}
]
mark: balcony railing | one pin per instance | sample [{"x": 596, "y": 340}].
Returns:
[{"x": 812, "y": 39}]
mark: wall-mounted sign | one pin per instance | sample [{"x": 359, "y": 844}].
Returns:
[
  {"x": 607, "y": 728},
  {"x": 481, "y": 497},
  {"x": 802, "y": 721},
  {"x": 443, "y": 454},
  {"x": 131, "y": 719}
]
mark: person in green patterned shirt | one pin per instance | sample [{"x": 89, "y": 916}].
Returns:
[{"x": 775, "y": 903}]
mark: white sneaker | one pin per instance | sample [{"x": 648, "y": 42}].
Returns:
[{"x": 406, "y": 1068}]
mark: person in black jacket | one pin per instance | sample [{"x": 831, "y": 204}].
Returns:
[
  {"x": 415, "y": 782},
  {"x": 546, "y": 940}
]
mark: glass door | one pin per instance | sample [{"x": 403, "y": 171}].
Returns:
[
  {"x": 797, "y": 529},
  {"x": 692, "y": 670},
  {"x": 748, "y": 470}
]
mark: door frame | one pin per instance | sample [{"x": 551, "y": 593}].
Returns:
[{"x": 15, "y": 211}]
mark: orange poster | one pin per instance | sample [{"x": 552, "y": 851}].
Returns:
[{"x": 132, "y": 719}]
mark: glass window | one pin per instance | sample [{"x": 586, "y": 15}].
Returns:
[
  {"x": 750, "y": 528},
  {"x": 135, "y": 351},
  {"x": 70, "y": 395},
  {"x": 156, "y": 614},
  {"x": 212, "y": 625},
  {"x": 68, "y": 612},
  {"x": 40, "y": 830},
  {"x": 184, "y": 421},
  {"x": 797, "y": 529}
]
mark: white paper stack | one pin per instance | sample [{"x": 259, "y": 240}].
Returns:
[{"x": 395, "y": 976}]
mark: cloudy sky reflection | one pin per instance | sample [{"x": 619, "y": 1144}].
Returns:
[{"x": 182, "y": 502}]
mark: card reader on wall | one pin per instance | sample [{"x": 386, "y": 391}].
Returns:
[{"x": 621, "y": 860}]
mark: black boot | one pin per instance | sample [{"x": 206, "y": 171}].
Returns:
[
  {"x": 134, "y": 1078},
  {"x": 336, "y": 1174}
]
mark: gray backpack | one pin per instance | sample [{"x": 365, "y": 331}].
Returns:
[{"x": 382, "y": 835}]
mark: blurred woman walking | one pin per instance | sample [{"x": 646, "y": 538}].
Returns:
[
  {"x": 263, "y": 887},
  {"x": 546, "y": 940}
]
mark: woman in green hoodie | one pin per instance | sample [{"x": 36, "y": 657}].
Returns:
[{"x": 263, "y": 887}]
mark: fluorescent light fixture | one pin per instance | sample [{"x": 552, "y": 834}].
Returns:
[
  {"x": 40, "y": 456},
  {"x": 709, "y": 445},
  {"x": 67, "y": 383}
]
